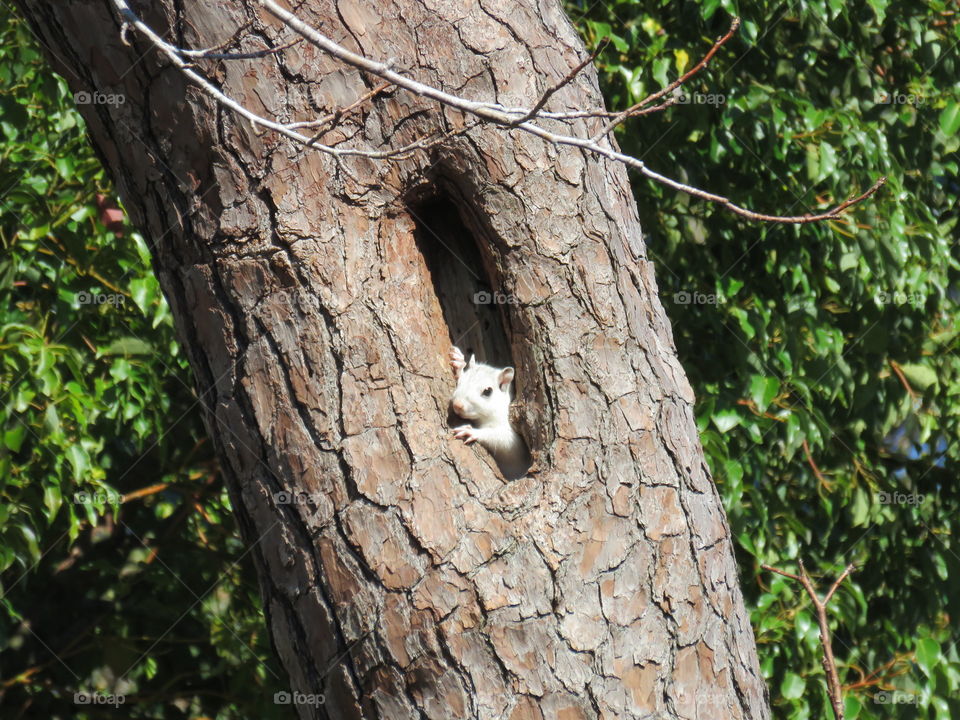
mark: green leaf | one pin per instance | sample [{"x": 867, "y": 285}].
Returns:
[
  {"x": 763, "y": 390},
  {"x": 950, "y": 118},
  {"x": 79, "y": 461},
  {"x": 942, "y": 708},
  {"x": 726, "y": 420},
  {"x": 13, "y": 438},
  {"x": 919, "y": 376},
  {"x": 792, "y": 686},
  {"x": 52, "y": 500},
  {"x": 708, "y": 8},
  {"x": 126, "y": 346},
  {"x": 860, "y": 510},
  {"x": 746, "y": 542},
  {"x": 879, "y": 9},
  {"x": 928, "y": 655},
  {"x": 66, "y": 166},
  {"x": 828, "y": 160}
]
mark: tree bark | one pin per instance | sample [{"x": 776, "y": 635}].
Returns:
[{"x": 402, "y": 577}]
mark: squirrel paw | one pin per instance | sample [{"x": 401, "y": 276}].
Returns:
[
  {"x": 457, "y": 361},
  {"x": 467, "y": 433}
]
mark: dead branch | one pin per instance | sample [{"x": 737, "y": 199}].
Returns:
[
  {"x": 824, "y": 483},
  {"x": 829, "y": 662},
  {"x": 534, "y": 111},
  {"x": 634, "y": 110},
  {"x": 508, "y": 118},
  {"x": 213, "y": 54}
]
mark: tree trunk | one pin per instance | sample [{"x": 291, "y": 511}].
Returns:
[{"x": 401, "y": 575}]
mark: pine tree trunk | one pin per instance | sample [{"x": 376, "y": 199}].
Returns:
[{"x": 401, "y": 575}]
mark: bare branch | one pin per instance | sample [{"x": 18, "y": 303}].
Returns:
[
  {"x": 212, "y": 54},
  {"x": 632, "y": 111},
  {"x": 173, "y": 55},
  {"x": 568, "y": 79},
  {"x": 834, "y": 689},
  {"x": 489, "y": 112},
  {"x": 782, "y": 572},
  {"x": 171, "y": 52},
  {"x": 226, "y": 43},
  {"x": 833, "y": 588},
  {"x": 500, "y": 116},
  {"x": 813, "y": 465},
  {"x": 340, "y": 112}
]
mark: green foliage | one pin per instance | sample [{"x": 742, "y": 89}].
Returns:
[
  {"x": 823, "y": 356},
  {"x": 119, "y": 555}
]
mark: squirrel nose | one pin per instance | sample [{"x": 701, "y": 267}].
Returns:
[{"x": 458, "y": 407}]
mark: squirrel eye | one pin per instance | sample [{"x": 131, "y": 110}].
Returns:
[{"x": 487, "y": 392}]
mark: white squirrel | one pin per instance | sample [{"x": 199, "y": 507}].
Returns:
[{"x": 483, "y": 397}]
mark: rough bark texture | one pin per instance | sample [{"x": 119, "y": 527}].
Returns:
[{"x": 317, "y": 306}]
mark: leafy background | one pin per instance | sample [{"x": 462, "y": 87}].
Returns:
[
  {"x": 122, "y": 570},
  {"x": 823, "y": 357}
]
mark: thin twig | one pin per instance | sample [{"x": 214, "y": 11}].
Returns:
[
  {"x": 629, "y": 112},
  {"x": 171, "y": 52},
  {"x": 816, "y": 471},
  {"x": 211, "y": 54},
  {"x": 340, "y": 112},
  {"x": 903, "y": 380},
  {"x": 834, "y": 689},
  {"x": 226, "y": 43},
  {"x": 566, "y": 80},
  {"x": 486, "y": 112},
  {"x": 144, "y": 492}
]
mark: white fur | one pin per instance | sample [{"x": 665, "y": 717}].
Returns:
[{"x": 482, "y": 396}]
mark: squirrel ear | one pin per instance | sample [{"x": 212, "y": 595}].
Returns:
[
  {"x": 506, "y": 377},
  {"x": 472, "y": 361}
]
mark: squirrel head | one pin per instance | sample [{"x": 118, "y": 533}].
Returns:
[{"x": 483, "y": 393}]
